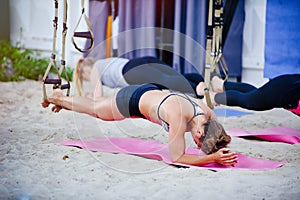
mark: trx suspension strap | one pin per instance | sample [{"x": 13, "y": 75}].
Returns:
[
  {"x": 219, "y": 58},
  {"x": 88, "y": 34},
  {"x": 63, "y": 61},
  {"x": 209, "y": 46},
  {"x": 57, "y": 83},
  {"x": 214, "y": 45}
]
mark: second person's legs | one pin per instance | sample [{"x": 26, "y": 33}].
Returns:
[{"x": 152, "y": 70}]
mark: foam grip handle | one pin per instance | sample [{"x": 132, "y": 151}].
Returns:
[
  {"x": 65, "y": 86},
  {"x": 53, "y": 81},
  {"x": 83, "y": 34}
]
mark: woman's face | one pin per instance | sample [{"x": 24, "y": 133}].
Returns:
[{"x": 197, "y": 129}]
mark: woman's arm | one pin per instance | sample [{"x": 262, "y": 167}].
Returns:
[
  {"x": 223, "y": 157},
  {"x": 177, "y": 149}
]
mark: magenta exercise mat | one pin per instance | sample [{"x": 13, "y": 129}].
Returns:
[
  {"x": 157, "y": 151},
  {"x": 278, "y": 134}
]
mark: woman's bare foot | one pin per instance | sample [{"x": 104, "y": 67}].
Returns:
[
  {"x": 212, "y": 99},
  {"x": 200, "y": 89},
  {"x": 217, "y": 84}
]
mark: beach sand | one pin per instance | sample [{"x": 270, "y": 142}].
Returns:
[{"x": 34, "y": 166}]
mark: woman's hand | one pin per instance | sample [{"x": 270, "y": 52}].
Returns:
[
  {"x": 45, "y": 103},
  {"x": 225, "y": 157},
  {"x": 53, "y": 98},
  {"x": 56, "y": 108}
]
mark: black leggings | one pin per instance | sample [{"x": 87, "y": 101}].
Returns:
[
  {"x": 152, "y": 70},
  {"x": 280, "y": 92}
]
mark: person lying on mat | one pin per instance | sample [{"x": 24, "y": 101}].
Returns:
[
  {"x": 280, "y": 92},
  {"x": 120, "y": 72},
  {"x": 176, "y": 112}
]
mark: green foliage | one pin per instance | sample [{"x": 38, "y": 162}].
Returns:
[{"x": 18, "y": 64}]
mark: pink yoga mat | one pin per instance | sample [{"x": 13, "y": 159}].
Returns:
[
  {"x": 157, "y": 151},
  {"x": 278, "y": 134}
]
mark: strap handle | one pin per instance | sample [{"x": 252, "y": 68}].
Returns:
[
  {"x": 57, "y": 82},
  {"x": 52, "y": 62},
  {"x": 88, "y": 35},
  {"x": 214, "y": 45},
  {"x": 210, "y": 48},
  {"x": 63, "y": 61}
]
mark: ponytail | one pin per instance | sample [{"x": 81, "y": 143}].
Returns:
[{"x": 77, "y": 74}]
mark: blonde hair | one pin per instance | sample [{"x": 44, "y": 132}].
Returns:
[{"x": 77, "y": 74}]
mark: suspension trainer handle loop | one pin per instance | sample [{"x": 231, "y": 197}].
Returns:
[
  {"x": 52, "y": 62},
  {"x": 57, "y": 82},
  {"x": 210, "y": 38},
  {"x": 88, "y": 34},
  {"x": 63, "y": 61},
  {"x": 214, "y": 45}
]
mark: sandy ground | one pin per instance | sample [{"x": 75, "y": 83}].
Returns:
[{"x": 32, "y": 164}]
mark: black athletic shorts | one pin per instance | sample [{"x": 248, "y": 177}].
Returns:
[{"x": 128, "y": 99}]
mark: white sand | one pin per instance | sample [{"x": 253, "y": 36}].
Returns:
[{"x": 32, "y": 164}]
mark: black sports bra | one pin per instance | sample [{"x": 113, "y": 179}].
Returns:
[{"x": 197, "y": 110}]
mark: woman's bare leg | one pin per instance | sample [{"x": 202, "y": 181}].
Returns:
[{"x": 106, "y": 109}]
